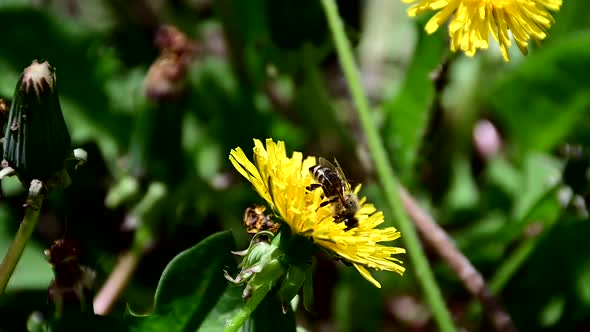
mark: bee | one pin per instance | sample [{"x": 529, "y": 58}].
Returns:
[{"x": 337, "y": 191}]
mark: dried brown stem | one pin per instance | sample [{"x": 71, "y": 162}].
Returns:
[{"x": 438, "y": 239}]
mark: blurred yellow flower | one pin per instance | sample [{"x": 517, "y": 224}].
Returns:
[
  {"x": 475, "y": 20},
  {"x": 282, "y": 182}
]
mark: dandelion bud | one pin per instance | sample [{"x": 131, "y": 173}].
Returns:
[
  {"x": 261, "y": 266},
  {"x": 37, "y": 139}
]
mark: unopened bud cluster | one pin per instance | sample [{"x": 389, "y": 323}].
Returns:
[
  {"x": 37, "y": 141},
  {"x": 271, "y": 262}
]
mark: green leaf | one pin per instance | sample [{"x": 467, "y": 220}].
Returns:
[
  {"x": 90, "y": 323},
  {"x": 535, "y": 199},
  {"x": 481, "y": 240},
  {"x": 545, "y": 98},
  {"x": 269, "y": 316},
  {"x": 541, "y": 173},
  {"x": 553, "y": 311},
  {"x": 501, "y": 173},
  {"x": 572, "y": 16},
  {"x": 13, "y": 3},
  {"x": 227, "y": 307},
  {"x": 583, "y": 283},
  {"x": 555, "y": 264},
  {"x": 408, "y": 112},
  {"x": 189, "y": 285},
  {"x": 463, "y": 193}
]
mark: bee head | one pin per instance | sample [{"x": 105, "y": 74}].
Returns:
[
  {"x": 351, "y": 222},
  {"x": 351, "y": 203}
]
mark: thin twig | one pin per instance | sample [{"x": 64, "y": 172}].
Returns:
[
  {"x": 116, "y": 283},
  {"x": 148, "y": 209},
  {"x": 471, "y": 278},
  {"x": 27, "y": 226}
]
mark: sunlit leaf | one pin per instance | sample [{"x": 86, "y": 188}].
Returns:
[{"x": 189, "y": 285}]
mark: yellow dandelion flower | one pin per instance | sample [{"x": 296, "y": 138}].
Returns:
[
  {"x": 475, "y": 20},
  {"x": 282, "y": 182}
]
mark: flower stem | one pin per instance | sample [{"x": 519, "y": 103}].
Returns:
[
  {"x": 241, "y": 316},
  {"x": 27, "y": 226},
  {"x": 385, "y": 172}
]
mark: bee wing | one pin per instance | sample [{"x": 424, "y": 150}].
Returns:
[
  {"x": 325, "y": 163},
  {"x": 337, "y": 169},
  {"x": 340, "y": 172},
  {"x": 345, "y": 186}
]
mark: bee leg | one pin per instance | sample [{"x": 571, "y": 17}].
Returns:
[
  {"x": 313, "y": 186},
  {"x": 324, "y": 203}
]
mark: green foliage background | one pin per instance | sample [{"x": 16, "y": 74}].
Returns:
[{"x": 269, "y": 70}]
